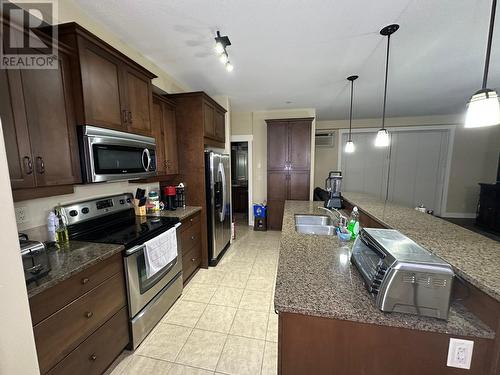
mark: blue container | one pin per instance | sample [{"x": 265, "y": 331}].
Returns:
[{"x": 259, "y": 211}]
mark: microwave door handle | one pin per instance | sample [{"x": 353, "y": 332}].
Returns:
[{"x": 148, "y": 156}]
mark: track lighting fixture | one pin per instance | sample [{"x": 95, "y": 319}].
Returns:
[{"x": 221, "y": 43}]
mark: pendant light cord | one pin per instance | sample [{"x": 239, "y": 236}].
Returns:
[
  {"x": 386, "y": 74},
  {"x": 488, "y": 48},
  {"x": 350, "y": 113}
]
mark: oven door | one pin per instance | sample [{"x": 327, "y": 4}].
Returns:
[
  {"x": 122, "y": 156},
  {"x": 140, "y": 288}
]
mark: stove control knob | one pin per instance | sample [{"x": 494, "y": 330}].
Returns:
[
  {"x": 73, "y": 213},
  {"x": 85, "y": 210},
  {"x": 122, "y": 201},
  {"x": 129, "y": 200}
]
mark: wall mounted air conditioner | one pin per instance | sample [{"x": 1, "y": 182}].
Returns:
[{"x": 325, "y": 138}]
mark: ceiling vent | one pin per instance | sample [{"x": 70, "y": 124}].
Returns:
[{"x": 325, "y": 138}]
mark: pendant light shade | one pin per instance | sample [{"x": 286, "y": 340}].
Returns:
[
  {"x": 349, "y": 146},
  {"x": 483, "y": 108},
  {"x": 383, "y": 139}
]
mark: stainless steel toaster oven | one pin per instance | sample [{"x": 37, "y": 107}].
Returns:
[{"x": 401, "y": 275}]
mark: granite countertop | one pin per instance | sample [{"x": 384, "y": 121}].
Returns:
[
  {"x": 181, "y": 213},
  {"x": 315, "y": 277},
  {"x": 474, "y": 257},
  {"x": 70, "y": 260}
]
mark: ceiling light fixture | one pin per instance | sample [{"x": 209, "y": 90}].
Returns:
[
  {"x": 383, "y": 139},
  {"x": 483, "y": 109},
  {"x": 349, "y": 146},
  {"x": 221, "y": 43}
]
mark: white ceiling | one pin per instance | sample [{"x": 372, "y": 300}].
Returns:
[{"x": 302, "y": 50}]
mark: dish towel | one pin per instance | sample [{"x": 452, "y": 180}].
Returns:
[{"x": 160, "y": 251}]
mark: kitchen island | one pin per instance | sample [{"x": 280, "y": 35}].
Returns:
[{"x": 328, "y": 323}]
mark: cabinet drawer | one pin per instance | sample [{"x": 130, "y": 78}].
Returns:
[
  {"x": 191, "y": 261},
  {"x": 63, "y": 331},
  {"x": 53, "y": 299},
  {"x": 97, "y": 352},
  {"x": 190, "y": 221},
  {"x": 191, "y": 237}
]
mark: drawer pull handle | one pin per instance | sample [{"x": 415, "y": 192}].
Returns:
[
  {"x": 85, "y": 280},
  {"x": 89, "y": 314},
  {"x": 193, "y": 259},
  {"x": 193, "y": 237},
  {"x": 93, "y": 357}
]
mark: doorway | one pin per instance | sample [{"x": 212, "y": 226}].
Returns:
[{"x": 239, "y": 182}]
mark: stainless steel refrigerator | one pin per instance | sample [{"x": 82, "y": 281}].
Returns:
[{"x": 218, "y": 182}]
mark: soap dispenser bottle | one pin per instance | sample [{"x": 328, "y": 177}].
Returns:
[{"x": 353, "y": 225}]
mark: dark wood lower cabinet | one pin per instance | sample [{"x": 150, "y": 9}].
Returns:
[
  {"x": 81, "y": 324},
  {"x": 93, "y": 356},
  {"x": 191, "y": 245},
  {"x": 320, "y": 346}
]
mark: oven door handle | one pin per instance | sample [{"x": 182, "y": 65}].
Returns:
[{"x": 135, "y": 249}]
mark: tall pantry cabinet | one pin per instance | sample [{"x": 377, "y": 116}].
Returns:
[{"x": 288, "y": 164}]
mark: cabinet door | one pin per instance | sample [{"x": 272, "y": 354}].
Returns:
[
  {"x": 15, "y": 130},
  {"x": 139, "y": 101},
  {"x": 209, "y": 119},
  {"x": 52, "y": 125},
  {"x": 170, "y": 139},
  {"x": 158, "y": 134},
  {"x": 277, "y": 193},
  {"x": 101, "y": 84},
  {"x": 298, "y": 186},
  {"x": 220, "y": 126},
  {"x": 299, "y": 145},
  {"x": 277, "y": 146}
]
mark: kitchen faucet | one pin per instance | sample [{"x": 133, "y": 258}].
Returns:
[{"x": 342, "y": 220}]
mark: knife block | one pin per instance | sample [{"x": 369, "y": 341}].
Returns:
[{"x": 139, "y": 210}]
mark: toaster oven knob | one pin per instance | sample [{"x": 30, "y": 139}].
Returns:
[
  {"x": 122, "y": 201},
  {"x": 129, "y": 200},
  {"x": 85, "y": 210},
  {"x": 73, "y": 213}
]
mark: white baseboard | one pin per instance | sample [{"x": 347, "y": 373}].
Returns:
[{"x": 459, "y": 215}]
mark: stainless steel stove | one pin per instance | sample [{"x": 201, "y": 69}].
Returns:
[{"x": 112, "y": 220}]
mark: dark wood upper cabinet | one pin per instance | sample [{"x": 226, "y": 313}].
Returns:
[
  {"x": 288, "y": 165},
  {"x": 15, "y": 130},
  {"x": 277, "y": 154},
  {"x": 101, "y": 87},
  {"x": 220, "y": 125},
  {"x": 112, "y": 91},
  {"x": 209, "y": 119},
  {"x": 165, "y": 133},
  {"x": 51, "y": 122},
  {"x": 39, "y": 125}
]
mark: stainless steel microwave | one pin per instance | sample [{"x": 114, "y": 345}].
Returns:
[{"x": 109, "y": 155}]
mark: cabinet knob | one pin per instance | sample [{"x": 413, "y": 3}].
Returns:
[
  {"x": 93, "y": 357},
  {"x": 28, "y": 165},
  {"x": 85, "y": 280},
  {"x": 193, "y": 259},
  {"x": 129, "y": 117},
  {"x": 124, "y": 116},
  {"x": 193, "y": 237},
  {"x": 40, "y": 165},
  {"x": 191, "y": 220},
  {"x": 89, "y": 314}
]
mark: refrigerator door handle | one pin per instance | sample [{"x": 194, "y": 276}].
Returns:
[{"x": 223, "y": 177}]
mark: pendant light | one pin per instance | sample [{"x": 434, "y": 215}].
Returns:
[
  {"x": 483, "y": 108},
  {"x": 349, "y": 146},
  {"x": 382, "y": 139}
]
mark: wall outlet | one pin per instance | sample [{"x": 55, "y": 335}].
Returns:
[
  {"x": 21, "y": 215},
  {"x": 460, "y": 353}
]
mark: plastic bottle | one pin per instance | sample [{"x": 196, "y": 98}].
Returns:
[
  {"x": 52, "y": 224},
  {"x": 353, "y": 225}
]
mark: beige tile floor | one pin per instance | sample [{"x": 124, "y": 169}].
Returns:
[{"x": 224, "y": 323}]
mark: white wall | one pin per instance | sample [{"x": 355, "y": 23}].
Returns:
[
  {"x": 17, "y": 345},
  {"x": 474, "y": 158}
]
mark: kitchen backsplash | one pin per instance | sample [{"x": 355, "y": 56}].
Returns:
[{"x": 36, "y": 210}]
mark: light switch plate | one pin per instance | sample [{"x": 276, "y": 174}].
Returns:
[{"x": 460, "y": 353}]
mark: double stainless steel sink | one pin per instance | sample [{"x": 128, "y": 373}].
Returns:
[{"x": 314, "y": 224}]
